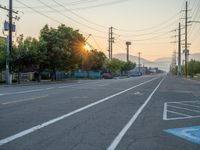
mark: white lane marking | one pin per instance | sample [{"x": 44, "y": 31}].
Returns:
[
  {"x": 35, "y": 128},
  {"x": 66, "y": 86},
  {"x": 23, "y": 100},
  {"x": 50, "y": 88},
  {"x": 165, "y": 112},
  {"x": 121, "y": 134},
  {"x": 189, "y": 105},
  {"x": 184, "y": 102},
  {"x": 181, "y": 114},
  {"x": 45, "y": 89},
  {"x": 181, "y": 118},
  {"x": 23, "y": 92},
  {"x": 184, "y": 108}
]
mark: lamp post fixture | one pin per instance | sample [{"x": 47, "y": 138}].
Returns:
[{"x": 128, "y": 44}]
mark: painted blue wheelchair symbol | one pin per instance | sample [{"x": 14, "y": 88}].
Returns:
[{"x": 191, "y": 134}]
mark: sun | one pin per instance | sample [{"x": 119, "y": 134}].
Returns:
[{"x": 86, "y": 47}]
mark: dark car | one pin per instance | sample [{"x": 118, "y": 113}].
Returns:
[{"x": 107, "y": 76}]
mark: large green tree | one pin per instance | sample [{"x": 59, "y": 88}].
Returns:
[
  {"x": 194, "y": 67},
  {"x": 29, "y": 54},
  {"x": 64, "y": 46},
  {"x": 116, "y": 66},
  {"x": 128, "y": 66},
  {"x": 94, "y": 60}
]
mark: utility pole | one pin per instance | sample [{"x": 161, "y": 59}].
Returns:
[
  {"x": 179, "y": 49},
  {"x": 8, "y": 26},
  {"x": 10, "y": 41},
  {"x": 186, "y": 47},
  {"x": 109, "y": 44},
  {"x": 127, "y": 45},
  {"x": 110, "y": 41},
  {"x": 139, "y": 61}
]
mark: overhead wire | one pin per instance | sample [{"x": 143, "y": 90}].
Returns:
[
  {"x": 196, "y": 16},
  {"x": 153, "y": 27},
  {"x": 50, "y": 18},
  {"x": 62, "y": 14},
  {"x": 79, "y": 2},
  {"x": 39, "y": 12},
  {"x": 100, "y": 5},
  {"x": 86, "y": 7},
  {"x": 72, "y": 12}
]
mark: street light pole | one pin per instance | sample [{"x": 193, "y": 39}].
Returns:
[
  {"x": 139, "y": 61},
  {"x": 127, "y": 55}
]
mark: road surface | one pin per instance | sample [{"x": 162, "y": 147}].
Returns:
[{"x": 157, "y": 112}]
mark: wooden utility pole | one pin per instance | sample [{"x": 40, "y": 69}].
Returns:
[
  {"x": 186, "y": 40},
  {"x": 10, "y": 40},
  {"x": 110, "y": 43},
  {"x": 179, "y": 49}
]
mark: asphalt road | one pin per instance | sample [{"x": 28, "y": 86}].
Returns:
[{"x": 138, "y": 113}]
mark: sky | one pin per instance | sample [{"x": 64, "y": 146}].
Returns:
[{"x": 148, "y": 24}]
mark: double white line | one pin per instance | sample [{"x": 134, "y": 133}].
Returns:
[{"x": 35, "y": 128}]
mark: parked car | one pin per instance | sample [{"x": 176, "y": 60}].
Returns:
[
  {"x": 135, "y": 74},
  {"x": 107, "y": 76}
]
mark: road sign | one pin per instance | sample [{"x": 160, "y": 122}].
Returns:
[{"x": 191, "y": 134}]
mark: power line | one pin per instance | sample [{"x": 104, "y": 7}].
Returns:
[
  {"x": 156, "y": 31},
  {"x": 87, "y": 7},
  {"x": 39, "y": 12},
  {"x": 195, "y": 17},
  {"x": 96, "y": 43},
  {"x": 79, "y": 2},
  {"x": 50, "y": 18},
  {"x": 70, "y": 17},
  {"x": 153, "y": 27},
  {"x": 160, "y": 36},
  {"x": 78, "y": 15},
  {"x": 100, "y": 5}
]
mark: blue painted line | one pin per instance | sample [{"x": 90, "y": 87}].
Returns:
[{"x": 191, "y": 134}]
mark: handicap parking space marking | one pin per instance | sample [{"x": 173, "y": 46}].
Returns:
[
  {"x": 182, "y": 111},
  {"x": 191, "y": 134}
]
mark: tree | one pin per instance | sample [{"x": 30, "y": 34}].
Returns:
[
  {"x": 64, "y": 46},
  {"x": 2, "y": 54},
  {"x": 114, "y": 66},
  {"x": 127, "y": 66},
  {"x": 29, "y": 54},
  {"x": 193, "y": 67},
  {"x": 94, "y": 60}
]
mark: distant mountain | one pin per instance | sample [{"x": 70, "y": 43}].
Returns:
[
  {"x": 161, "y": 63},
  {"x": 195, "y": 56},
  {"x": 122, "y": 56}
]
